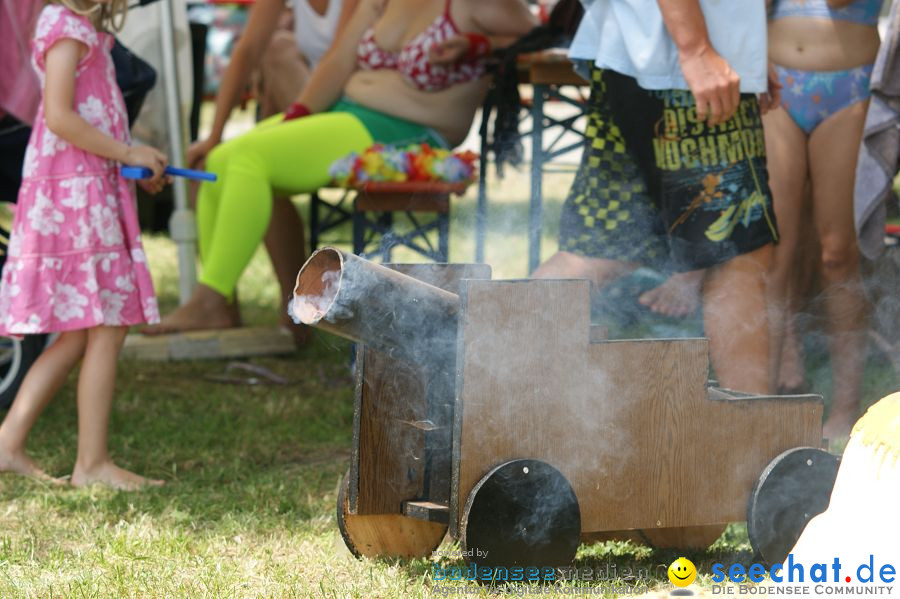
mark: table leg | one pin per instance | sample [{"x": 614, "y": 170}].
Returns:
[
  {"x": 481, "y": 208},
  {"x": 537, "y": 166}
]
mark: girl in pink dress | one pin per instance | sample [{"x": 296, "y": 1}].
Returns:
[{"x": 76, "y": 265}]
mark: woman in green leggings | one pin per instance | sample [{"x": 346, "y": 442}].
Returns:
[{"x": 402, "y": 71}]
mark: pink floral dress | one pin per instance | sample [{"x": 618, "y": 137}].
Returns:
[{"x": 75, "y": 256}]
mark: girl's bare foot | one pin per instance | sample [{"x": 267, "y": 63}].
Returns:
[
  {"x": 678, "y": 297},
  {"x": 18, "y": 462},
  {"x": 206, "y": 309},
  {"x": 111, "y": 475}
]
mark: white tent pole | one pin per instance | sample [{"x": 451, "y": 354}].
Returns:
[{"x": 182, "y": 225}]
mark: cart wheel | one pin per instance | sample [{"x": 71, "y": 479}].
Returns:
[
  {"x": 683, "y": 537},
  {"x": 385, "y": 535},
  {"x": 793, "y": 489},
  {"x": 522, "y": 513}
]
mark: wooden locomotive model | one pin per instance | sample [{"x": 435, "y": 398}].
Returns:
[{"x": 494, "y": 409}]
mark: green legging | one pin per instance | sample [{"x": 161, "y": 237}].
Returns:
[{"x": 293, "y": 157}]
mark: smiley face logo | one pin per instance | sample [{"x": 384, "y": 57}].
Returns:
[{"x": 682, "y": 572}]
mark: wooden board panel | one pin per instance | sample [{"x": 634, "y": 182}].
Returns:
[
  {"x": 519, "y": 390},
  {"x": 210, "y": 345},
  {"x": 651, "y": 390},
  {"x": 391, "y": 441},
  {"x": 629, "y": 423},
  {"x": 395, "y": 418}
]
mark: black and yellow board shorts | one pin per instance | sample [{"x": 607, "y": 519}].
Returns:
[{"x": 659, "y": 187}]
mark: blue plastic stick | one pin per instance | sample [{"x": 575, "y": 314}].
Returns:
[{"x": 142, "y": 172}]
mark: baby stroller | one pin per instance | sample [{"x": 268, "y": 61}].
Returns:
[{"x": 135, "y": 78}]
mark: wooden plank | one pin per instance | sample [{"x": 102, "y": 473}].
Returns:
[
  {"x": 396, "y": 418},
  {"x": 686, "y": 537},
  {"x": 521, "y": 353},
  {"x": 391, "y": 443},
  {"x": 427, "y": 510},
  {"x": 210, "y": 345},
  {"x": 629, "y": 423},
  {"x": 402, "y": 202},
  {"x": 554, "y": 73}
]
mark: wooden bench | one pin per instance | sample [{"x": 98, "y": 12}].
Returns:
[{"x": 372, "y": 208}]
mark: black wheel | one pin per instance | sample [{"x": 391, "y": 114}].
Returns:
[
  {"x": 793, "y": 489},
  {"x": 16, "y": 357},
  {"x": 522, "y": 513}
]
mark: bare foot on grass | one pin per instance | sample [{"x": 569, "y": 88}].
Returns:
[
  {"x": 113, "y": 476},
  {"x": 207, "y": 309},
  {"x": 18, "y": 462},
  {"x": 678, "y": 297}
]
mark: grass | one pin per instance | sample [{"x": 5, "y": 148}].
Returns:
[{"x": 252, "y": 472}]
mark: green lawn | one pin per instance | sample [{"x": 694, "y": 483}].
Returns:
[{"x": 252, "y": 472}]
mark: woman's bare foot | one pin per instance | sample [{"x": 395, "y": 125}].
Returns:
[
  {"x": 111, "y": 475},
  {"x": 678, "y": 297},
  {"x": 206, "y": 309},
  {"x": 18, "y": 462}
]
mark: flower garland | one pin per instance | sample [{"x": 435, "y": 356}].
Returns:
[{"x": 417, "y": 162}]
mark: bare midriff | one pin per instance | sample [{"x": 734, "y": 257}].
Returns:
[
  {"x": 449, "y": 111},
  {"x": 815, "y": 44}
]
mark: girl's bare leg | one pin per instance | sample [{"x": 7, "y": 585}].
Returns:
[
  {"x": 792, "y": 369},
  {"x": 833, "y": 148},
  {"x": 788, "y": 172},
  {"x": 43, "y": 381},
  {"x": 96, "y": 386}
]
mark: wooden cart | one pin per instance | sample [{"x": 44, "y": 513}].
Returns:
[{"x": 521, "y": 431}]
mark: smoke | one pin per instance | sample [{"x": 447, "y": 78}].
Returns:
[{"x": 308, "y": 309}]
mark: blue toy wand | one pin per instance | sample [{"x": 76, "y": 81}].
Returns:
[{"x": 142, "y": 172}]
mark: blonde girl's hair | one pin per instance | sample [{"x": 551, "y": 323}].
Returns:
[{"x": 106, "y": 16}]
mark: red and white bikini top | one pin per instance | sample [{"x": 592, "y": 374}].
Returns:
[{"x": 412, "y": 60}]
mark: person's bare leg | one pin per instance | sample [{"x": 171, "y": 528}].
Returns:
[
  {"x": 833, "y": 148},
  {"x": 788, "y": 172},
  {"x": 40, "y": 385},
  {"x": 286, "y": 244},
  {"x": 678, "y": 296},
  {"x": 96, "y": 388},
  {"x": 566, "y": 265},
  {"x": 791, "y": 374},
  {"x": 284, "y": 73},
  {"x": 736, "y": 322},
  {"x": 206, "y": 309}
]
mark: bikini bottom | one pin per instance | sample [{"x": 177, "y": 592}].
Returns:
[{"x": 810, "y": 97}]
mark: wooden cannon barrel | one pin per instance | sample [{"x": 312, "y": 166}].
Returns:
[{"x": 382, "y": 308}]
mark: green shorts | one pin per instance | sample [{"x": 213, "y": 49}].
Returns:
[
  {"x": 387, "y": 129},
  {"x": 659, "y": 187}
]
